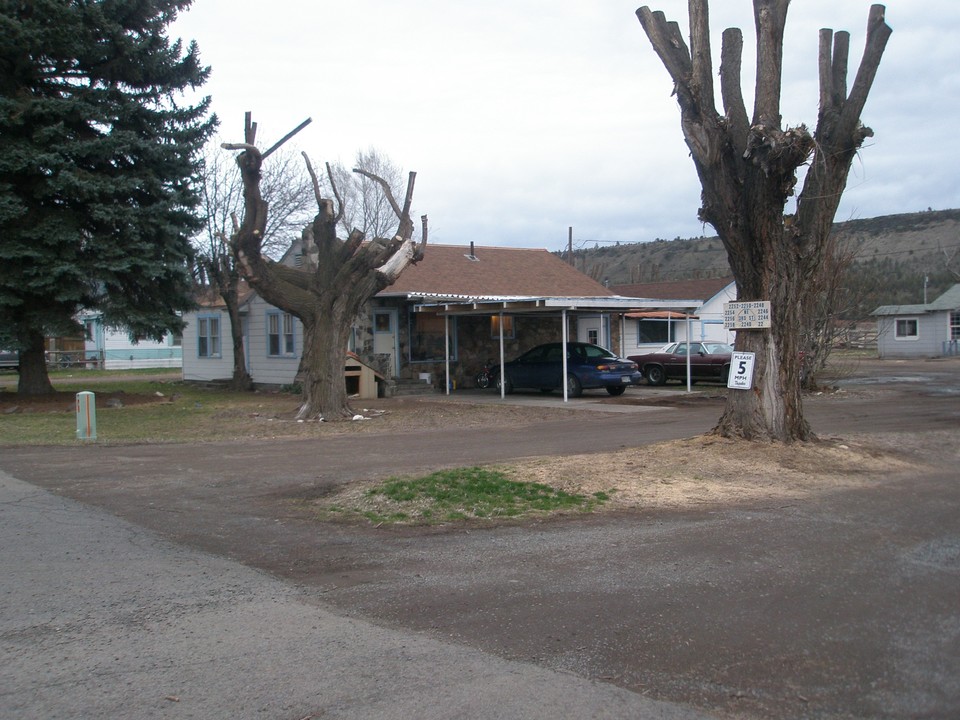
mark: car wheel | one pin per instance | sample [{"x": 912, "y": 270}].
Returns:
[
  {"x": 507, "y": 385},
  {"x": 574, "y": 388},
  {"x": 616, "y": 389},
  {"x": 656, "y": 375}
]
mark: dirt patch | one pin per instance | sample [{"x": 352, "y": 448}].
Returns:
[
  {"x": 708, "y": 470},
  {"x": 685, "y": 474}
]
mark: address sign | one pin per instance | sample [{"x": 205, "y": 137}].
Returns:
[{"x": 746, "y": 315}]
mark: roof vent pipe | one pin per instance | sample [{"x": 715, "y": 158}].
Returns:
[{"x": 471, "y": 249}]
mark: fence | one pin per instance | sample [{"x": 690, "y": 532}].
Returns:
[{"x": 78, "y": 359}]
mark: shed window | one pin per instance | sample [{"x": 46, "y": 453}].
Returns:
[{"x": 907, "y": 329}]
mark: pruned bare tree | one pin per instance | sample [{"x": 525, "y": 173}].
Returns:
[
  {"x": 748, "y": 169},
  {"x": 288, "y": 190},
  {"x": 337, "y": 278}
]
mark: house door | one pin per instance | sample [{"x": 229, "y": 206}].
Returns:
[
  {"x": 385, "y": 336},
  {"x": 590, "y": 330}
]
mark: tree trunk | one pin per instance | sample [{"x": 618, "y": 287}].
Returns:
[
  {"x": 34, "y": 379},
  {"x": 241, "y": 379},
  {"x": 324, "y": 355},
  {"x": 747, "y": 169}
]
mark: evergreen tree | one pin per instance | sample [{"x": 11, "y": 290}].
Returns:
[{"x": 98, "y": 167}]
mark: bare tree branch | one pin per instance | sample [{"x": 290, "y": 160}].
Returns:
[
  {"x": 387, "y": 191},
  {"x": 731, "y": 55},
  {"x": 336, "y": 193},
  {"x": 286, "y": 137}
]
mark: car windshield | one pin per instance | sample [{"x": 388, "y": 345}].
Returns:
[{"x": 595, "y": 352}]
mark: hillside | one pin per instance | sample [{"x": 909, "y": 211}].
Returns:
[{"x": 892, "y": 255}]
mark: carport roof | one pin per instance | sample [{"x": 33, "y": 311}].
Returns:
[{"x": 520, "y": 304}]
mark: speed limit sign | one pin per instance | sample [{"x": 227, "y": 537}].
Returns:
[{"x": 741, "y": 371}]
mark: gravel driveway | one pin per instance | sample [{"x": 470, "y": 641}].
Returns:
[{"x": 844, "y": 604}]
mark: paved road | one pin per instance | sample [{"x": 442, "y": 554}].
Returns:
[{"x": 102, "y": 619}]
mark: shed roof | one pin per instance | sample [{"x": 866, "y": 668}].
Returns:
[{"x": 950, "y": 300}]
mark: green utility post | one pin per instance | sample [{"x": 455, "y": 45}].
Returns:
[{"x": 86, "y": 416}]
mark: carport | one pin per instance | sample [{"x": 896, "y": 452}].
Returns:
[{"x": 563, "y": 307}]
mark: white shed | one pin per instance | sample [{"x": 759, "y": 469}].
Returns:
[{"x": 930, "y": 330}]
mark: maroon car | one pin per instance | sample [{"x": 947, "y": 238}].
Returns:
[{"x": 708, "y": 361}]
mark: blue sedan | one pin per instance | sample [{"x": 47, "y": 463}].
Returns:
[{"x": 588, "y": 366}]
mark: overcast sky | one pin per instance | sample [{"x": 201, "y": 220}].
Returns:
[{"x": 525, "y": 117}]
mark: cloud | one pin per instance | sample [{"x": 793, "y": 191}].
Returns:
[{"x": 525, "y": 117}]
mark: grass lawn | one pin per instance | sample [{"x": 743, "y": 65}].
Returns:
[
  {"x": 152, "y": 407},
  {"x": 140, "y": 406}
]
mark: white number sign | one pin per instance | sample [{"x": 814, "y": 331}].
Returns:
[{"x": 741, "y": 371}]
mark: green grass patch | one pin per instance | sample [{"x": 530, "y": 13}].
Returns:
[
  {"x": 472, "y": 493},
  {"x": 139, "y": 409}
]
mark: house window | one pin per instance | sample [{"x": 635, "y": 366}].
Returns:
[
  {"x": 508, "y": 331},
  {"x": 208, "y": 336},
  {"x": 907, "y": 329},
  {"x": 955, "y": 325},
  {"x": 650, "y": 331},
  {"x": 280, "y": 334},
  {"x": 427, "y": 338}
]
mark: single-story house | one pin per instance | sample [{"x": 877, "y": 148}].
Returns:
[
  {"x": 115, "y": 349},
  {"x": 923, "y": 330},
  {"x": 648, "y": 330},
  {"x": 456, "y": 297}
]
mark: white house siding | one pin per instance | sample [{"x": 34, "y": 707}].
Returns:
[
  {"x": 710, "y": 317},
  {"x": 264, "y": 368},
  {"x": 932, "y": 329},
  {"x": 706, "y": 325},
  {"x": 204, "y": 369}
]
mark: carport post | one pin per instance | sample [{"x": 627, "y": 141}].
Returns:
[
  {"x": 563, "y": 354},
  {"x": 446, "y": 349},
  {"x": 689, "y": 381},
  {"x": 503, "y": 373}
]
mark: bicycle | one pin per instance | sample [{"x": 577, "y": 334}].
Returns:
[{"x": 484, "y": 378}]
